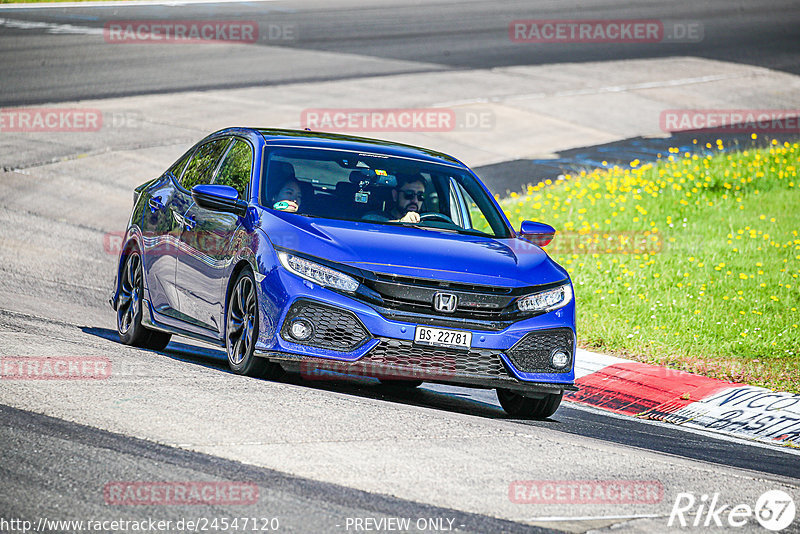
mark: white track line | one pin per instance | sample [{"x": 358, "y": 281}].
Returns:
[
  {"x": 592, "y": 517},
  {"x": 127, "y": 3},
  {"x": 50, "y": 27}
]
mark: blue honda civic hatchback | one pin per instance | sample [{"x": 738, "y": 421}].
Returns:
[{"x": 337, "y": 255}]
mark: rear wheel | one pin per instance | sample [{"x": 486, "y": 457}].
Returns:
[
  {"x": 129, "y": 308},
  {"x": 517, "y": 405},
  {"x": 241, "y": 329}
]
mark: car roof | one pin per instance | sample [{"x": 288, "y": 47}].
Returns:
[{"x": 312, "y": 139}]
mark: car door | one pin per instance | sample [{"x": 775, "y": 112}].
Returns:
[
  {"x": 207, "y": 246},
  {"x": 161, "y": 231},
  {"x": 199, "y": 170}
]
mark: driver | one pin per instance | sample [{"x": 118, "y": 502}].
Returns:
[{"x": 408, "y": 197}]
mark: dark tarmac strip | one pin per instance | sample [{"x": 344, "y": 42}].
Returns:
[
  {"x": 46, "y": 58},
  {"x": 58, "y": 470}
]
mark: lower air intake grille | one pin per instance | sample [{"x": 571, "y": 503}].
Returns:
[
  {"x": 334, "y": 329},
  {"x": 447, "y": 364}
]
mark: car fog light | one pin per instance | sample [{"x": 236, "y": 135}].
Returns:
[
  {"x": 559, "y": 359},
  {"x": 301, "y": 329}
]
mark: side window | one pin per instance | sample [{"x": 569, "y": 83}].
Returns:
[
  {"x": 177, "y": 167},
  {"x": 236, "y": 167},
  {"x": 201, "y": 167},
  {"x": 477, "y": 219}
]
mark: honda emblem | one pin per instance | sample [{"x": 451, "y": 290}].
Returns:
[{"x": 445, "y": 302}]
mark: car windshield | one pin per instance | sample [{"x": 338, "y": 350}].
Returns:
[{"x": 379, "y": 189}]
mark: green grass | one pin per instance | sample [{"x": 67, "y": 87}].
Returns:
[{"x": 691, "y": 262}]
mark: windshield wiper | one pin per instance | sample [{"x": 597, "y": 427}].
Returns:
[
  {"x": 436, "y": 228},
  {"x": 465, "y": 231},
  {"x": 478, "y": 233}
]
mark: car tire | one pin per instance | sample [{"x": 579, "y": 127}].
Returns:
[
  {"x": 129, "y": 308},
  {"x": 399, "y": 383},
  {"x": 522, "y": 407},
  {"x": 241, "y": 328}
]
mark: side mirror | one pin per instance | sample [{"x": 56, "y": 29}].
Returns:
[
  {"x": 537, "y": 233},
  {"x": 219, "y": 198}
]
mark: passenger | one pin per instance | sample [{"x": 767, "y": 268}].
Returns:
[
  {"x": 289, "y": 197},
  {"x": 408, "y": 199}
]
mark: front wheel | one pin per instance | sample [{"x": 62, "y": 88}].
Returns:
[
  {"x": 517, "y": 405},
  {"x": 129, "y": 308}
]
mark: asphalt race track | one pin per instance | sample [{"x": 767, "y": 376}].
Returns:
[
  {"x": 322, "y": 455},
  {"x": 320, "y": 41}
]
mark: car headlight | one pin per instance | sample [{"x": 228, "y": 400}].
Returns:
[
  {"x": 547, "y": 300},
  {"x": 324, "y": 276}
]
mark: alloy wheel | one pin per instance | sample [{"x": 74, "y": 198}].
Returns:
[
  {"x": 130, "y": 297},
  {"x": 241, "y": 321}
]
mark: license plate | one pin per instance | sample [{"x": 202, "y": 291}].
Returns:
[{"x": 459, "y": 339}]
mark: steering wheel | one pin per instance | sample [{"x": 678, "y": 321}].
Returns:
[{"x": 434, "y": 216}]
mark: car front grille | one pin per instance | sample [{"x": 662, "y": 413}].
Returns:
[
  {"x": 334, "y": 328},
  {"x": 415, "y": 295},
  {"x": 531, "y": 354},
  {"x": 438, "y": 361}
]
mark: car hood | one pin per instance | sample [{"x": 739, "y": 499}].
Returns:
[{"x": 409, "y": 251}]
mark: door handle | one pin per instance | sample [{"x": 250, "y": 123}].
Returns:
[{"x": 155, "y": 204}]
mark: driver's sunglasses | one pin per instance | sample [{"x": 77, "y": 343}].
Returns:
[{"x": 411, "y": 194}]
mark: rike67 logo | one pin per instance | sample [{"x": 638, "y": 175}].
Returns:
[{"x": 774, "y": 510}]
